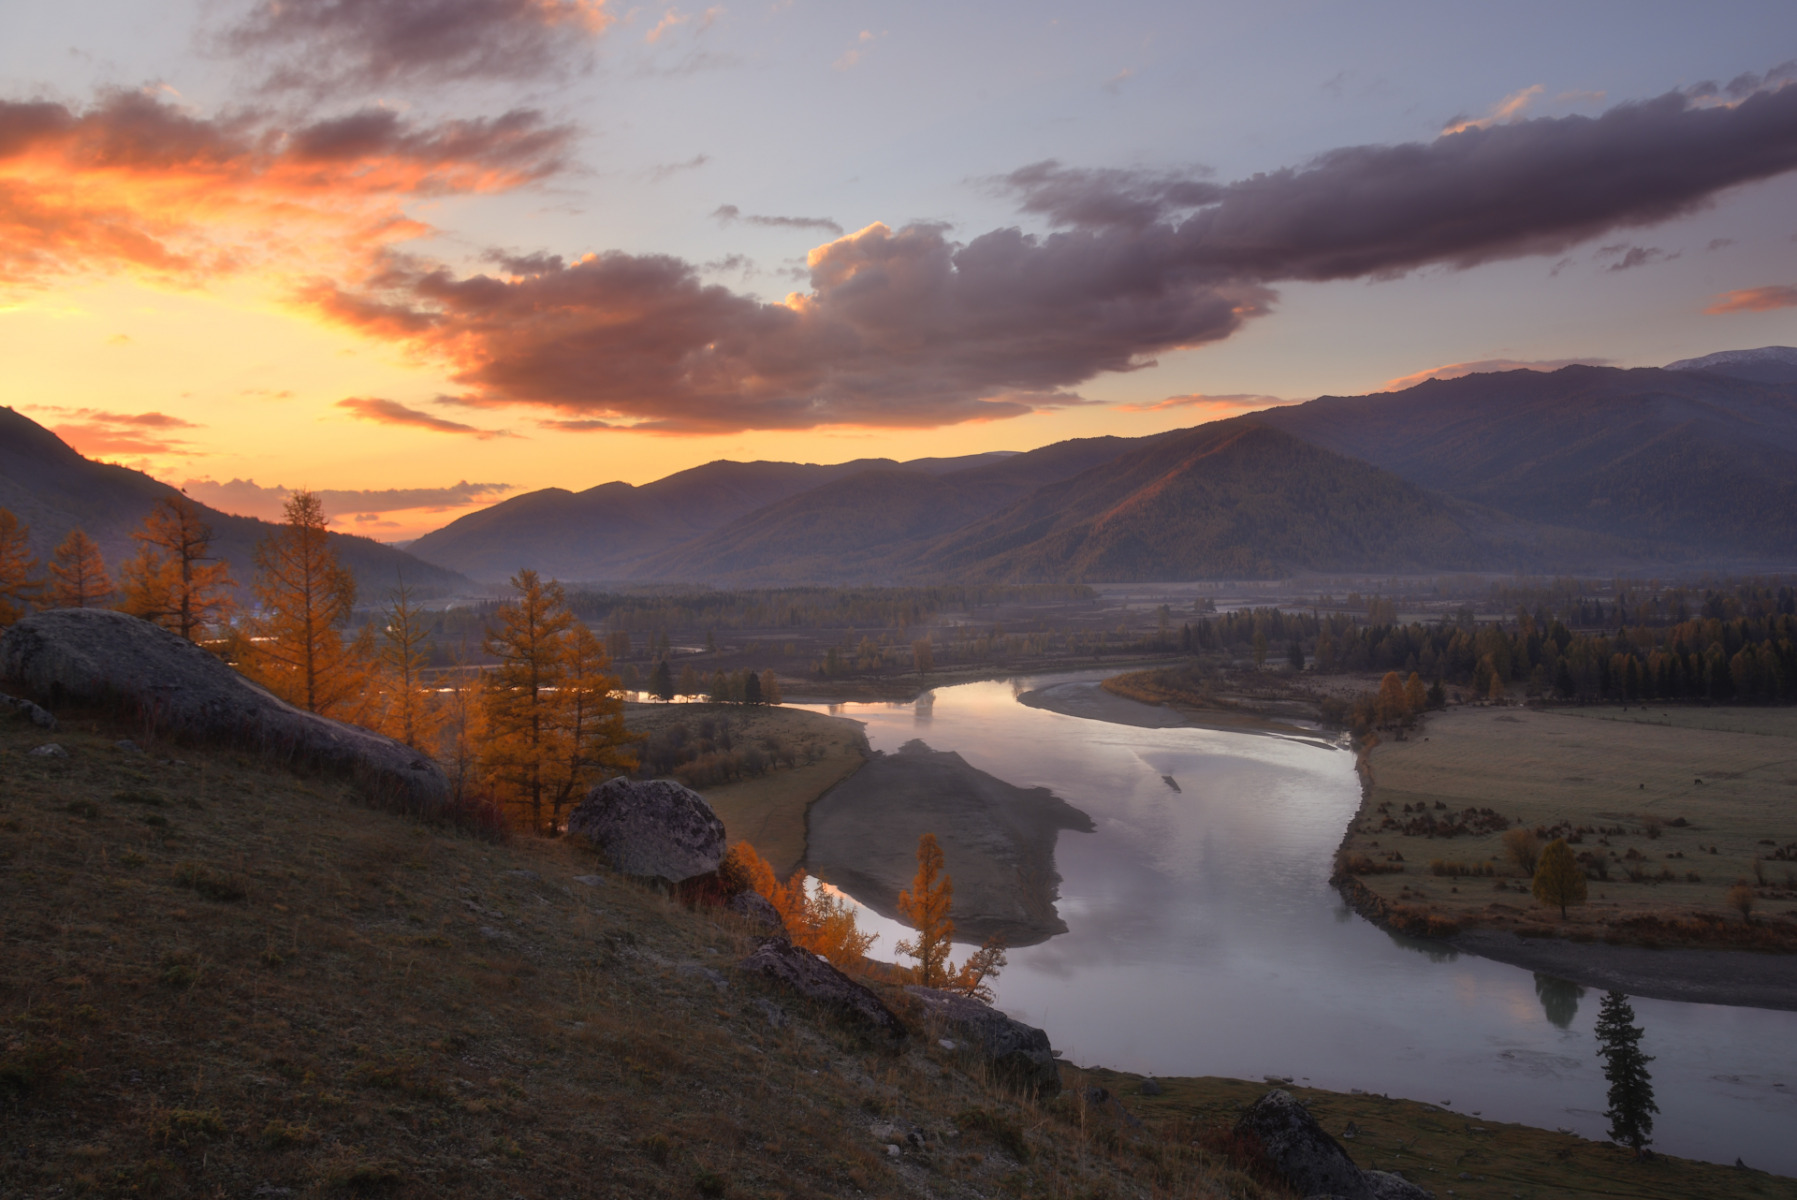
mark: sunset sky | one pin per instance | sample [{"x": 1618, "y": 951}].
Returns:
[{"x": 422, "y": 254}]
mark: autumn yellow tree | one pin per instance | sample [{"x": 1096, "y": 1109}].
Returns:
[
  {"x": 305, "y": 598},
  {"x": 1391, "y": 705},
  {"x": 411, "y": 712},
  {"x": 926, "y": 906},
  {"x": 462, "y": 735},
  {"x": 78, "y": 576},
  {"x": 174, "y": 580},
  {"x": 19, "y": 581},
  {"x": 1559, "y": 880},
  {"x": 820, "y": 921},
  {"x": 525, "y": 704},
  {"x": 597, "y": 743},
  {"x": 1416, "y": 694}
]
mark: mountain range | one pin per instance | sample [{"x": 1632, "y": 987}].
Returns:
[
  {"x": 1586, "y": 468},
  {"x": 53, "y": 489},
  {"x": 1583, "y": 468}
]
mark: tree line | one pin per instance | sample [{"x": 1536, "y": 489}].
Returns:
[
  {"x": 525, "y": 737},
  {"x": 1751, "y": 656}
]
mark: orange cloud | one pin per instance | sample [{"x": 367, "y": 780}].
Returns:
[
  {"x": 94, "y": 431},
  {"x": 1510, "y": 108},
  {"x": 1759, "y": 299},
  {"x": 392, "y": 412},
  {"x": 136, "y": 184},
  {"x": 1485, "y": 366},
  {"x": 1224, "y": 404}
]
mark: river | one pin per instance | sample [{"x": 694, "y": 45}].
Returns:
[{"x": 1204, "y": 939}]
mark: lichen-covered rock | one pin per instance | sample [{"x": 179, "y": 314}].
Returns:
[
  {"x": 1312, "y": 1161},
  {"x": 98, "y": 657},
  {"x": 816, "y": 980},
  {"x": 655, "y": 829},
  {"x": 757, "y": 908},
  {"x": 1020, "y": 1054},
  {"x": 28, "y": 711}
]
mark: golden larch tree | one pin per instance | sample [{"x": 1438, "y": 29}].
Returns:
[
  {"x": 1416, "y": 694},
  {"x": 411, "y": 711},
  {"x": 174, "y": 580},
  {"x": 19, "y": 581},
  {"x": 525, "y": 700},
  {"x": 822, "y": 923},
  {"x": 597, "y": 742},
  {"x": 78, "y": 577},
  {"x": 926, "y": 906},
  {"x": 304, "y": 600},
  {"x": 1390, "y": 704}
]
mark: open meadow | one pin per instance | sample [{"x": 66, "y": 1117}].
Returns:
[{"x": 1667, "y": 809}]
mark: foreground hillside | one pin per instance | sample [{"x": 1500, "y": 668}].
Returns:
[{"x": 217, "y": 979}]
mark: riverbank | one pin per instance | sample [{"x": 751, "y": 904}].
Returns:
[
  {"x": 1667, "y": 814},
  {"x": 767, "y": 809},
  {"x": 1095, "y": 701}
]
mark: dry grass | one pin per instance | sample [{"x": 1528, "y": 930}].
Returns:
[
  {"x": 217, "y": 978},
  {"x": 1678, "y": 803},
  {"x": 769, "y": 810},
  {"x": 1443, "y": 1150}
]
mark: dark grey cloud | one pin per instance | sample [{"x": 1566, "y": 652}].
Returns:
[
  {"x": 1629, "y": 257},
  {"x": 324, "y": 46},
  {"x": 726, "y": 214},
  {"x": 1526, "y": 187},
  {"x": 910, "y": 327}
]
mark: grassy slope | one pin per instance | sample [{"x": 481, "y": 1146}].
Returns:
[
  {"x": 1597, "y": 767},
  {"x": 394, "y": 1009},
  {"x": 1441, "y": 1149}
]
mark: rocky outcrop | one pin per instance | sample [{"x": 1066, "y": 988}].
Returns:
[
  {"x": 653, "y": 829},
  {"x": 816, "y": 980},
  {"x": 98, "y": 657},
  {"x": 1019, "y": 1053},
  {"x": 757, "y": 908},
  {"x": 1313, "y": 1162},
  {"x": 27, "y": 711}
]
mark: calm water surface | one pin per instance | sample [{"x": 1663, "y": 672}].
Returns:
[{"x": 1204, "y": 939}]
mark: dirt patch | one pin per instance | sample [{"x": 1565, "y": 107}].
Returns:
[{"x": 998, "y": 841}]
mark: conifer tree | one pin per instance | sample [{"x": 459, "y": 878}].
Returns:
[
  {"x": 19, "y": 581},
  {"x": 1559, "y": 880},
  {"x": 412, "y": 715},
  {"x": 304, "y": 598},
  {"x": 661, "y": 681},
  {"x": 1625, "y": 1069},
  {"x": 597, "y": 741},
  {"x": 770, "y": 687},
  {"x": 525, "y": 702},
  {"x": 926, "y": 906},
  {"x": 78, "y": 576},
  {"x": 174, "y": 580}
]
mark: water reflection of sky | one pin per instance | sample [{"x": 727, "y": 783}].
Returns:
[{"x": 1204, "y": 940}]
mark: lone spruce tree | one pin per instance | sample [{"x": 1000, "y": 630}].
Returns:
[{"x": 1625, "y": 1067}]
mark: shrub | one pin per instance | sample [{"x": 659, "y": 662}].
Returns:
[
  {"x": 1523, "y": 849},
  {"x": 1458, "y": 870},
  {"x": 1742, "y": 898},
  {"x": 1007, "y": 1135}
]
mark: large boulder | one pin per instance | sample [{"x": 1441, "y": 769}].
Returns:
[
  {"x": 1019, "y": 1053},
  {"x": 99, "y": 657},
  {"x": 816, "y": 980},
  {"x": 655, "y": 829},
  {"x": 1313, "y": 1162}
]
